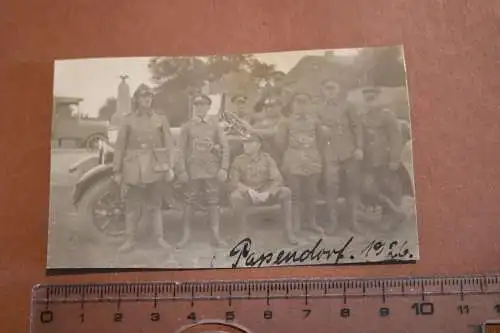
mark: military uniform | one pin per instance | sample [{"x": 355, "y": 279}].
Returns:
[
  {"x": 265, "y": 123},
  {"x": 301, "y": 139},
  {"x": 144, "y": 144},
  {"x": 204, "y": 151},
  {"x": 344, "y": 134},
  {"x": 261, "y": 174},
  {"x": 383, "y": 145}
]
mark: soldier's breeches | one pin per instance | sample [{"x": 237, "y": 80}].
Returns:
[
  {"x": 350, "y": 170},
  {"x": 285, "y": 197},
  {"x": 240, "y": 201},
  {"x": 144, "y": 202},
  {"x": 303, "y": 187},
  {"x": 203, "y": 188}
]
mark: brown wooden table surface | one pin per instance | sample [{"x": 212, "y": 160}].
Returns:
[{"x": 453, "y": 60}]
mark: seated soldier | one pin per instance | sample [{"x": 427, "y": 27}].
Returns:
[{"x": 255, "y": 179}]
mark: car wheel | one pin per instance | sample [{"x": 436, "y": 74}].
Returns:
[
  {"x": 93, "y": 141},
  {"x": 101, "y": 213}
]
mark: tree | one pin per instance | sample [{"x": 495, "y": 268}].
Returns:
[
  {"x": 179, "y": 78},
  {"x": 180, "y": 72},
  {"x": 261, "y": 72},
  {"x": 381, "y": 66},
  {"x": 108, "y": 109}
]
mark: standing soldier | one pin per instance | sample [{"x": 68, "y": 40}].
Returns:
[
  {"x": 265, "y": 123},
  {"x": 143, "y": 159},
  {"x": 204, "y": 163},
  {"x": 242, "y": 110},
  {"x": 255, "y": 179},
  {"x": 383, "y": 143},
  {"x": 343, "y": 151},
  {"x": 300, "y": 137}
]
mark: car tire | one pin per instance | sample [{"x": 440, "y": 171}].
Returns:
[
  {"x": 92, "y": 142},
  {"x": 88, "y": 229}
]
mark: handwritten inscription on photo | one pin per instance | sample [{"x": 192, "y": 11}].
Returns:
[{"x": 232, "y": 161}]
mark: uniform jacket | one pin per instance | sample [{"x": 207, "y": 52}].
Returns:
[
  {"x": 259, "y": 173},
  {"x": 344, "y": 131},
  {"x": 383, "y": 141},
  {"x": 301, "y": 138},
  {"x": 204, "y": 149},
  {"x": 142, "y": 138}
]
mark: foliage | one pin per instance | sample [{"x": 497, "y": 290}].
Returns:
[
  {"x": 381, "y": 66},
  {"x": 177, "y": 78},
  {"x": 108, "y": 109}
]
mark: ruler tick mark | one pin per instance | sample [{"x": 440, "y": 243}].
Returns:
[
  {"x": 344, "y": 293},
  {"x": 192, "y": 296},
  {"x": 119, "y": 301},
  {"x": 82, "y": 300},
  {"x": 461, "y": 290},
  {"x": 47, "y": 297},
  {"x": 267, "y": 295},
  {"x": 305, "y": 289}
]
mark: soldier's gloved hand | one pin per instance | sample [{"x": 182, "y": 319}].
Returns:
[
  {"x": 183, "y": 177},
  {"x": 118, "y": 178},
  {"x": 222, "y": 175},
  {"x": 393, "y": 166},
  {"x": 170, "y": 175},
  {"x": 358, "y": 154}
]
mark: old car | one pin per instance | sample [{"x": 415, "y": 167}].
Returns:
[
  {"x": 69, "y": 124},
  {"x": 98, "y": 200}
]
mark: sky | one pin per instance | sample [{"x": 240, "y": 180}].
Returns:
[{"x": 96, "y": 79}]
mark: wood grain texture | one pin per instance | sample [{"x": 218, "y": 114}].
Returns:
[{"x": 453, "y": 60}]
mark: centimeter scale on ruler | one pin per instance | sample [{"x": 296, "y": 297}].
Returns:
[{"x": 436, "y": 304}]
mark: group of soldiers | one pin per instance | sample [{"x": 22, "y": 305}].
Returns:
[{"x": 288, "y": 151}]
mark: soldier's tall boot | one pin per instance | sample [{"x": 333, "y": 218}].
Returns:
[
  {"x": 332, "y": 206},
  {"x": 296, "y": 217},
  {"x": 132, "y": 217},
  {"x": 241, "y": 219},
  {"x": 214, "y": 217},
  {"x": 187, "y": 218},
  {"x": 311, "y": 216},
  {"x": 238, "y": 207},
  {"x": 352, "y": 207},
  {"x": 158, "y": 228},
  {"x": 288, "y": 221}
]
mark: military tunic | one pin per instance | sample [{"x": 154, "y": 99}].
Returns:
[
  {"x": 204, "y": 151},
  {"x": 383, "y": 144},
  {"x": 141, "y": 139},
  {"x": 344, "y": 131},
  {"x": 203, "y": 148},
  {"x": 260, "y": 173},
  {"x": 383, "y": 141},
  {"x": 301, "y": 139}
]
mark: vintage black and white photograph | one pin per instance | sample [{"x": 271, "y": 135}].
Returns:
[{"x": 232, "y": 161}]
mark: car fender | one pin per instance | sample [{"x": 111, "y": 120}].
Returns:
[
  {"x": 88, "y": 178},
  {"x": 83, "y": 165}
]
